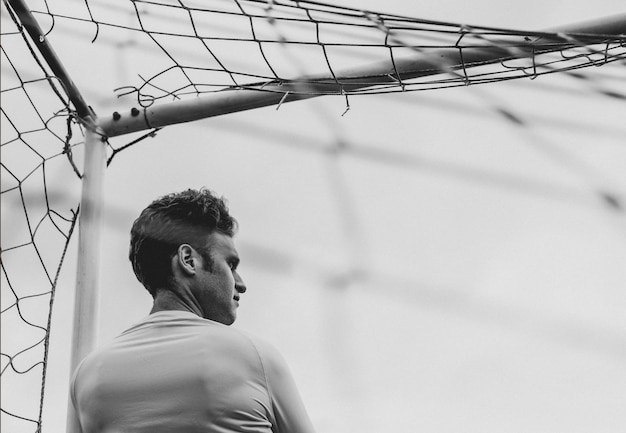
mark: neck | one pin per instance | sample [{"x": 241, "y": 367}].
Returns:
[{"x": 167, "y": 300}]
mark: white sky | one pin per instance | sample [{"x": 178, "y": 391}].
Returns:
[{"x": 474, "y": 283}]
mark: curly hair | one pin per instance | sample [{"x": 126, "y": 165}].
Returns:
[{"x": 175, "y": 219}]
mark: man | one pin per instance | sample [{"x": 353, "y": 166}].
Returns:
[{"x": 183, "y": 369}]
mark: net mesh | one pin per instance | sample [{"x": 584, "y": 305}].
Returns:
[
  {"x": 196, "y": 42},
  {"x": 202, "y": 47},
  {"x": 39, "y": 211}
]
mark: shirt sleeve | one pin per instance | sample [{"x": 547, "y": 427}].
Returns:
[{"x": 290, "y": 416}]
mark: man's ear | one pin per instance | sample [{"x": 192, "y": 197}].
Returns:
[{"x": 185, "y": 259}]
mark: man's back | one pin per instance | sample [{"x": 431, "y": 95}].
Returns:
[{"x": 177, "y": 372}]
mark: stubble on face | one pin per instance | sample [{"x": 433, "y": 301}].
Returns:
[{"x": 217, "y": 281}]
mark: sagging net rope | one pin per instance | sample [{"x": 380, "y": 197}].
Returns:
[
  {"x": 209, "y": 46},
  {"x": 40, "y": 187}
]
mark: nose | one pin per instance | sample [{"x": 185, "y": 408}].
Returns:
[{"x": 240, "y": 286}]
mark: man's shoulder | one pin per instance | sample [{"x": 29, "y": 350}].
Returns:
[
  {"x": 181, "y": 326},
  {"x": 188, "y": 334},
  {"x": 268, "y": 353}
]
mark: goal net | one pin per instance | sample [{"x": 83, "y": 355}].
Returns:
[
  {"x": 196, "y": 59},
  {"x": 40, "y": 195}
]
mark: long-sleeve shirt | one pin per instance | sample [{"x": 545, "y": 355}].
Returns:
[{"x": 177, "y": 372}]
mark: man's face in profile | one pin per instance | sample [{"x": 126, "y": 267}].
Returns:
[{"x": 217, "y": 286}]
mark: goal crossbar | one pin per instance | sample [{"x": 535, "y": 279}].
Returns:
[{"x": 442, "y": 60}]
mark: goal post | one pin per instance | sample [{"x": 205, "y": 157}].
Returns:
[
  {"x": 393, "y": 70},
  {"x": 90, "y": 221}
]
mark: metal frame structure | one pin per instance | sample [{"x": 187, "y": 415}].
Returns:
[{"x": 419, "y": 65}]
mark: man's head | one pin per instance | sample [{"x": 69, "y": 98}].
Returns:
[{"x": 188, "y": 217}]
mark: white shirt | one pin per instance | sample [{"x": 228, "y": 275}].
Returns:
[{"x": 177, "y": 372}]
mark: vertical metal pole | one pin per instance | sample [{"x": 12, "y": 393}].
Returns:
[{"x": 88, "y": 266}]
